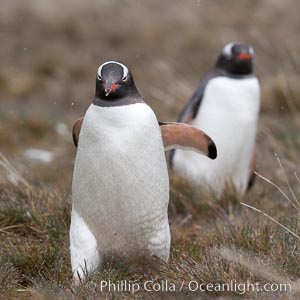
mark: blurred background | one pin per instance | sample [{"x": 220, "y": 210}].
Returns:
[{"x": 50, "y": 51}]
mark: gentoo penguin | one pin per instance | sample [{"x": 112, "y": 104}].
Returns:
[
  {"x": 226, "y": 107},
  {"x": 120, "y": 188}
]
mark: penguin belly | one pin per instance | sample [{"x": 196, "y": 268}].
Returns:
[
  {"x": 120, "y": 183},
  {"x": 228, "y": 114}
]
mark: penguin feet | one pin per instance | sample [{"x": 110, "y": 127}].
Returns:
[
  {"x": 84, "y": 249},
  {"x": 159, "y": 244}
]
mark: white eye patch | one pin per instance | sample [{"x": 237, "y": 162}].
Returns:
[
  {"x": 125, "y": 69},
  {"x": 251, "y": 51},
  {"x": 227, "y": 50}
]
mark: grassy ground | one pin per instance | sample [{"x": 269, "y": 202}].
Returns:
[{"x": 48, "y": 64}]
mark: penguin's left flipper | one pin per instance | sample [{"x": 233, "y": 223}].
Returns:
[
  {"x": 186, "y": 137},
  {"x": 76, "y": 130},
  {"x": 252, "y": 169}
]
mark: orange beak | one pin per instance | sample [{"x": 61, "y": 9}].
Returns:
[
  {"x": 108, "y": 88},
  {"x": 244, "y": 56}
]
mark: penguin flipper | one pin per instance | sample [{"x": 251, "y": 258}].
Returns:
[
  {"x": 186, "y": 137},
  {"x": 190, "y": 110},
  {"x": 76, "y": 130},
  {"x": 252, "y": 169}
]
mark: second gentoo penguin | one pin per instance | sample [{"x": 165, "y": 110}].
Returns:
[
  {"x": 226, "y": 107},
  {"x": 120, "y": 188}
]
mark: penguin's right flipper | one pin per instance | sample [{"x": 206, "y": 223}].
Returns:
[
  {"x": 190, "y": 110},
  {"x": 76, "y": 130},
  {"x": 186, "y": 137}
]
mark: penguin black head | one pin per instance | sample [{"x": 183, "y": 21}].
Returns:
[
  {"x": 114, "y": 81},
  {"x": 236, "y": 58}
]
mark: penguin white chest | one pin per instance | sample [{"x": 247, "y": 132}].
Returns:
[
  {"x": 228, "y": 114},
  {"x": 120, "y": 182}
]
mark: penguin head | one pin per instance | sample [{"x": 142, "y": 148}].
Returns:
[
  {"x": 114, "y": 81},
  {"x": 236, "y": 58}
]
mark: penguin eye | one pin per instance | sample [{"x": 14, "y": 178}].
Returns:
[
  {"x": 124, "y": 78},
  {"x": 99, "y": 77}
]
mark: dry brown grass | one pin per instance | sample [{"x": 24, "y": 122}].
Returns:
[
  {"x": 48, "y": 62},
  {"x": 212, "y": 241}
]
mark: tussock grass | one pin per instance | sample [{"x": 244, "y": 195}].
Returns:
[
  {"x": 33, "y": 226},
  {"x": 212, "y": 242},
  {"x": 281, "y": 95}
]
